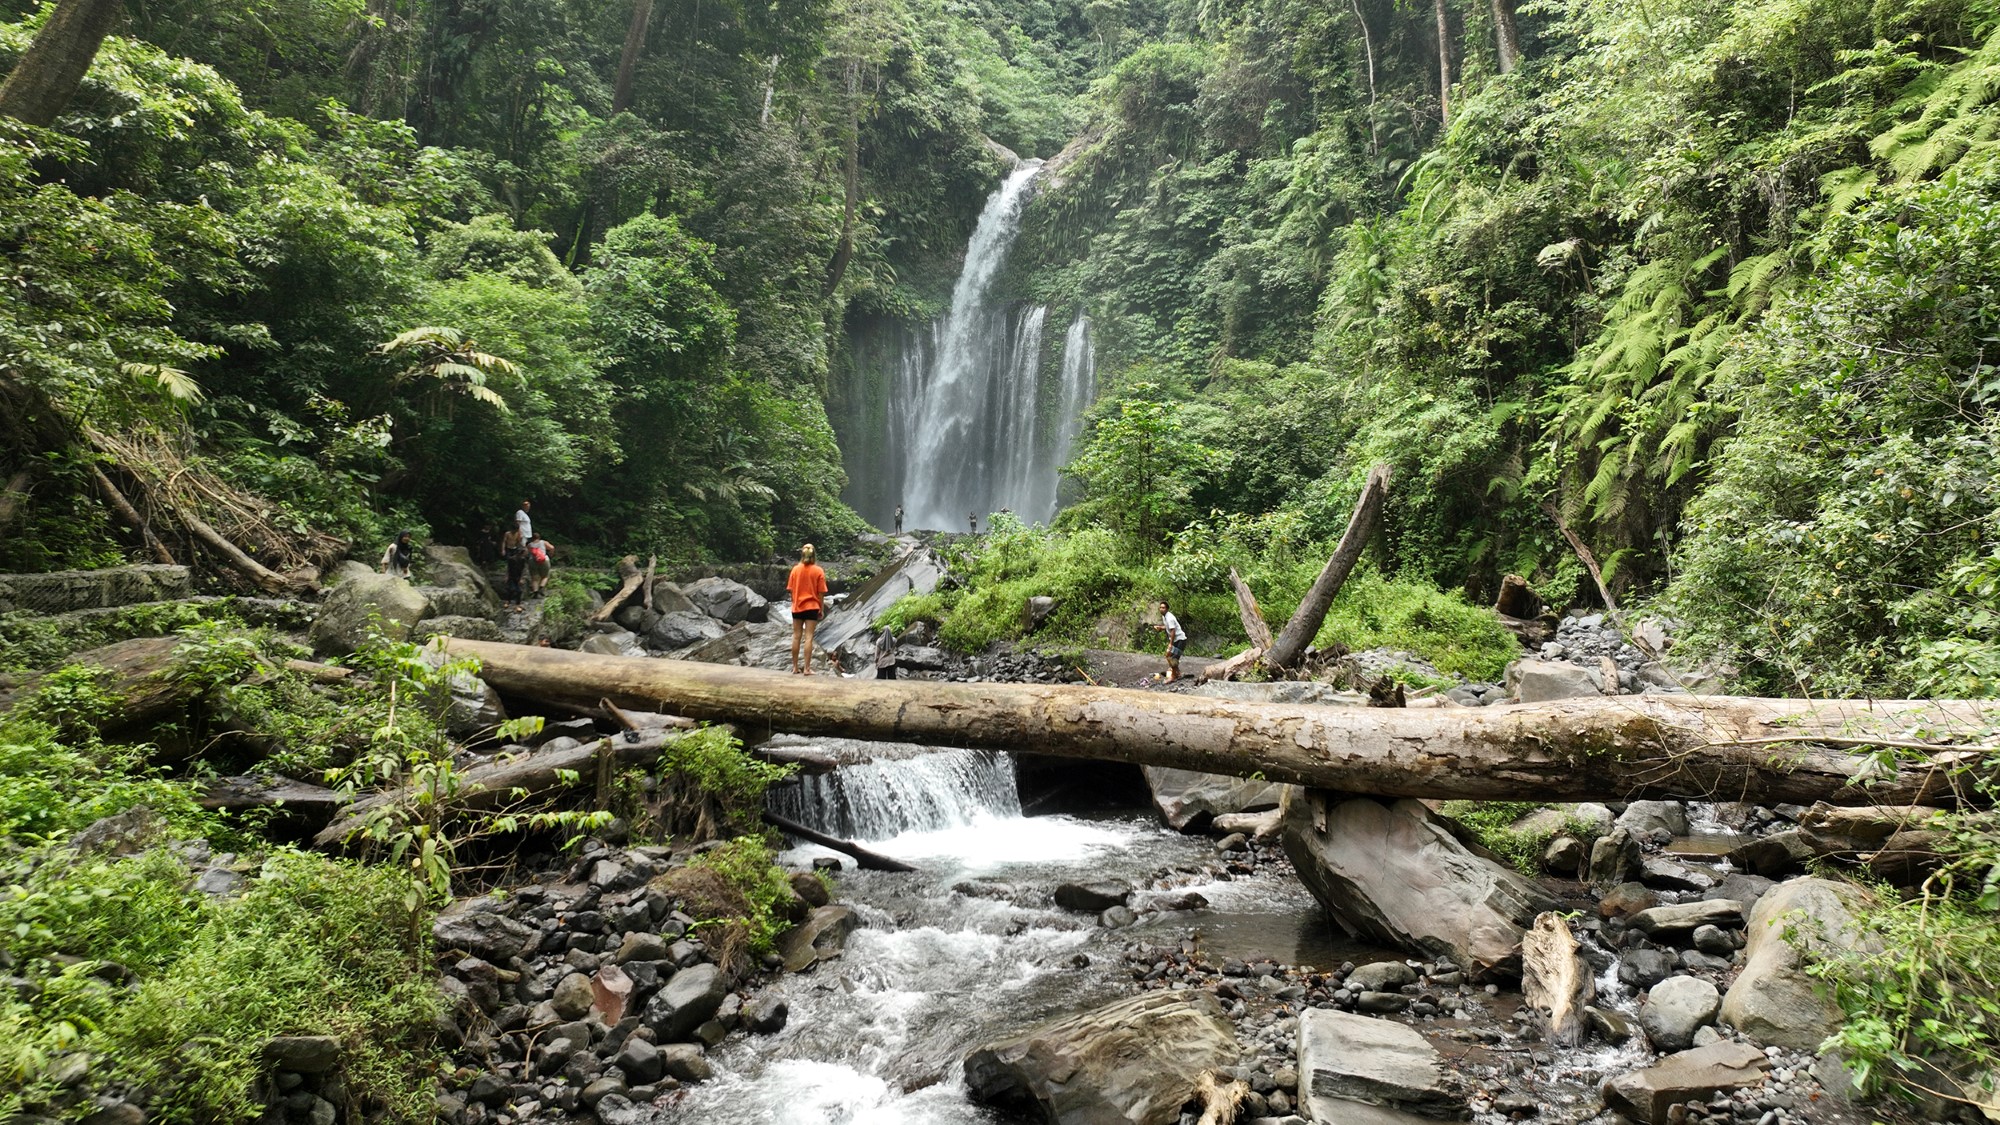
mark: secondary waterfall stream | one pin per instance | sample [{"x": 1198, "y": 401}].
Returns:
[{"x": 966, "y": 417}]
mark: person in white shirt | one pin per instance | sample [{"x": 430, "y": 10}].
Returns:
[
  {"x": 1176, "y": 641},
  {"x": 523, "y": 524}
]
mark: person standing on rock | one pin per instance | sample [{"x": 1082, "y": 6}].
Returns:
[
  {"x": 522, "y": 523},
  {"x": 514, "y": 549},
  {"x": 1176, "y": 641},
  {"x": 807, "y": 584},
  {"x": 899, "y": 519},
  {"x": 972, "y": 520},
  {"x": 396, "y": 560},
  {"x": 885, "y": 655}
]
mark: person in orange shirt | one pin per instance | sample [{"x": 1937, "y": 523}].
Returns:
[{"x": 807, "y": 584}]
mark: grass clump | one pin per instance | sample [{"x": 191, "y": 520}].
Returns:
[
  {"x": 736, "y": 890},
  {"x": 1459, "y": 639},
  {"x": 1503, "y": 828}
]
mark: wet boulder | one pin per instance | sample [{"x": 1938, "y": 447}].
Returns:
[
  {"x": 822, "y": 936},
  {"x": 1675, "y": 921},
  {"x": 1539, "y": 681},
  {"x": 728, "y": 602},
  {"x": 668, "y": 598},
  {"x": 681, "y": 629},
  {"x": 686, "y": 1001},
  {"x": 1187, "y": 799},
  {"x": 1134, "y": 1062},
  {"x": 1093, "y": 898},
  {"x": 1395, "y": 872}
]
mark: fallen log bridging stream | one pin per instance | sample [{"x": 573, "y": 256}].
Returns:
[
  {"x": 1606, "y": 748},
  {"x": 868, "y": 861}
]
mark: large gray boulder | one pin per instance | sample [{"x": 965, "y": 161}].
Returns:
[
  {"x": 728, "y": 602},
  {"x": 1538, "y": 681},
  {"x": 1187, "y": 799},
  {"x": 453, "y": 567},
  {"x": 686, "y": 1002},
  {"x": 1675, "y": 1009},
  {"x": 1350, "y": 1064},
  {"x": 620, "y": 643},
  {"x": 1655, "y": 816},
  {"x": 1130, "y": 1063},
  {"x": 1677, "y": 920},
  {"x": 1773, "y": 1000},
  {"x": 344, "y": 616},
  {"x": 679, "y": 630},
  {"x": 1396, "y": 873},
  {"x": 668, "y": 598}
]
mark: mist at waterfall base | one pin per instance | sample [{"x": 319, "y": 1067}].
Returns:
[
  {"x": 963, "y": 418},
  {"x": 967, "y": 949}
]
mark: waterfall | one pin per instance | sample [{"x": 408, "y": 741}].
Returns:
[
  {"x": 880, "y": 799},
  {"x": 969, "y": 426}
]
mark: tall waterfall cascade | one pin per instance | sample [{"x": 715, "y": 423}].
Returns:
[{"x": 974, "y": 420}]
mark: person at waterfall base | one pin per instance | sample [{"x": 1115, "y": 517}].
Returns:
[
  {"x": 396, "y": 560},
  {"x": 1176, "y": 641},
  {"x": 807, "y": 584},
  {"x": 899, "y": 519},
  {"x": 515, "y": 551},
  {"x": 972, "y": 519}
]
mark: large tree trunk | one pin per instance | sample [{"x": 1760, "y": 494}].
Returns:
[
  {"x": 1506, "y": 38},
  {"x": 1627, "y": 747},
  {"x": 851, "y": 185},
  {"x": 635, "y": 41},
  {"x": 1305, "y": 622},
  {"x": 53, "y": 66},
  {"x": 1444, "y": 62}
]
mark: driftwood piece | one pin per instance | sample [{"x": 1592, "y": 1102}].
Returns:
[
  {"x": 320, "y": 673},
  {"x": 314, "y": 805},
  {"x": 1233, "y": 667},
  {"x": 126, "y": 512},
  {"x": 1254, "y": 626},
  {"x": 1220, "y": 1097},
  {"x": 1606, "y": 748},
  {"x": 869, "y": 861},
  {"x": 500, "y": 781},
  {"x": 266, "y": 579},
  {"x": 1589, "y": 561},
  {"x": 142, "y": 677},
  {"x": 629, "y": 575},
  {"x": 1305, "y": 622}
]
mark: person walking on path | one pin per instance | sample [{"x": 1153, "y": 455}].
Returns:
[
  {"x": 539, "y": 551},
  {"x": 515, "y": 550},
  {"x": 807, "y": 584},
  {"x": 522, "y": 523},
  {"x": 396, "y": 560},
  {"x": 899, "y": 519},
  {"x": 1176, "y": 641}
]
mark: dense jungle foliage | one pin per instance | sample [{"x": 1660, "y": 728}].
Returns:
[{"x": 1709, "y": 282}]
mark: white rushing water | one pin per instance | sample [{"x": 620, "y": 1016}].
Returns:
[{"x": 970, "y": 429}]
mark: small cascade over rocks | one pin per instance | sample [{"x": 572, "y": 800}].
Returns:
[{"x": 881, "y": 799}]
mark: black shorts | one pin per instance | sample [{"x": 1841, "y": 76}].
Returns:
[
  {"x": 805, "y": 615},
  {"x": 1174, "y": 650}
]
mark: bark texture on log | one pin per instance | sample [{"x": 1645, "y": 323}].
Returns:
[
  {"x": 1304, "y": 625},
  {"x": 1254, "y": 626},
  {"x": 142, "y": 677},
  {"x": 1624, "y": 747},
  {"x": 496, "y": 782}
]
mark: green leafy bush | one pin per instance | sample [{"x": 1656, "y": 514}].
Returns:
[{"x": 313, "y": 947}]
